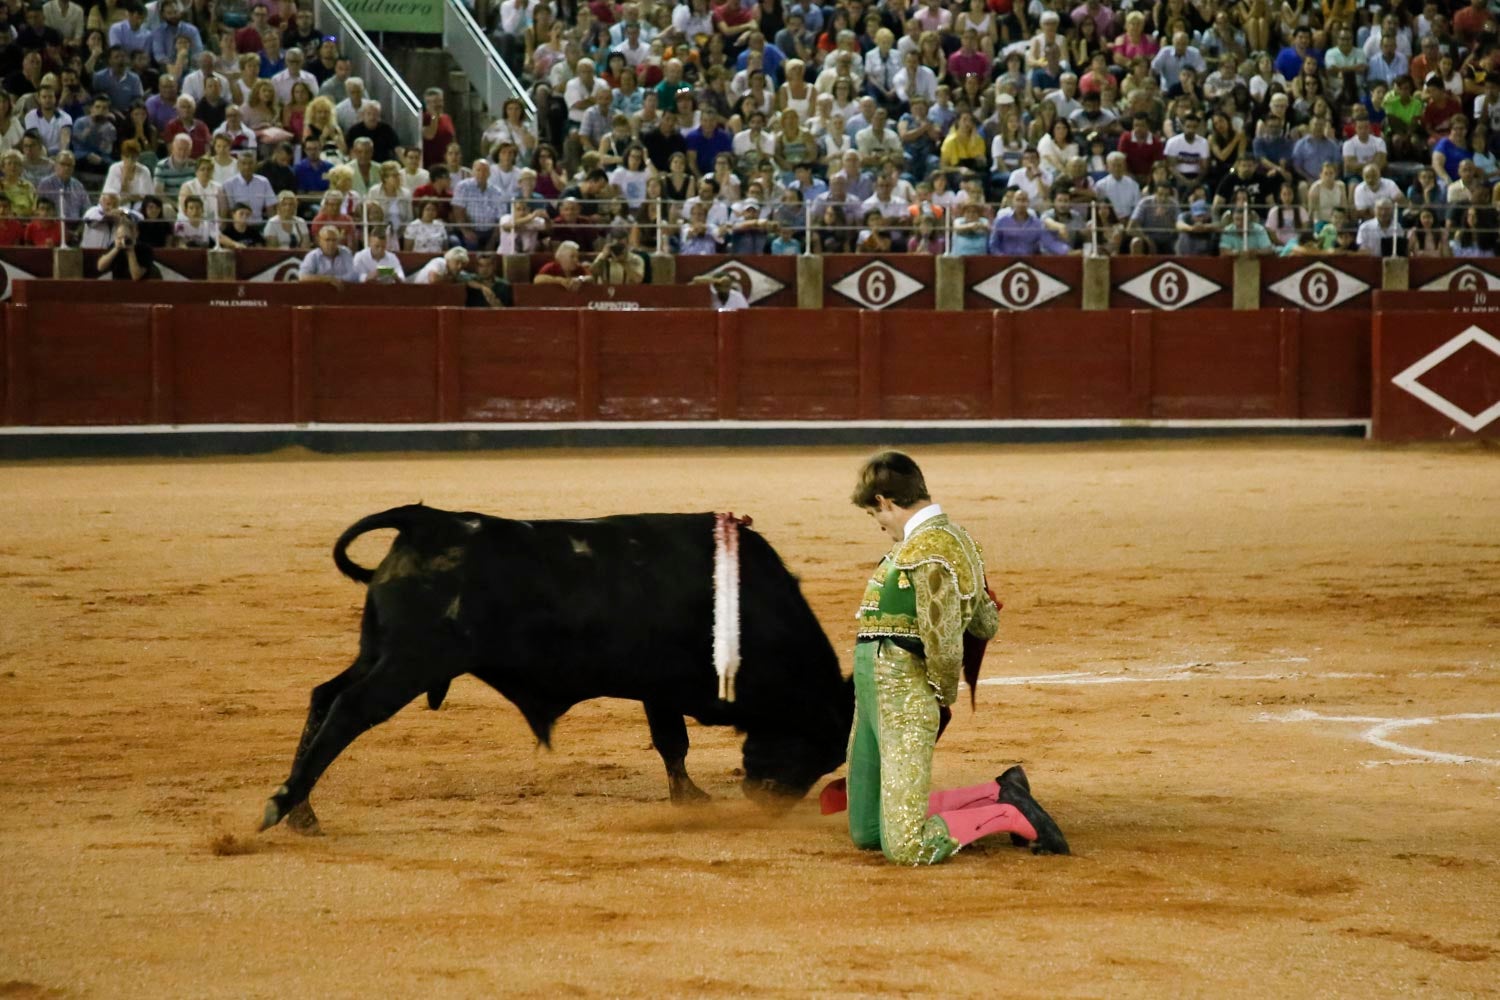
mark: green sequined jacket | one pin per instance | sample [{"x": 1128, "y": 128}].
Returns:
[{"x": 929, "y": 590}]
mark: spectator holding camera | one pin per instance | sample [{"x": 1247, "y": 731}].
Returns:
[{"x": 126, "y": 259}]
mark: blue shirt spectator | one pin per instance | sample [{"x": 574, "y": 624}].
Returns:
[
  {"x": 131, "y": 34},
  {"x": 707, "y": 141},
  {"x": 1019, "y": 232},
  {"x": 1310, "y": 153},
  {"x": 163, "y": 46},
  {"x": 312, "y": 174},
  {"x": 771, "y": 61},
  {"x": 121, "y": 85}
]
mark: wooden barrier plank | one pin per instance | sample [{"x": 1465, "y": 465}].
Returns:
[
  {"x": 1002, "y": 365},
  {"x": 1289, "y": 365},
  {"x": 1334, "y": 362},
  {"x": 230, "y": 367},
  {"x": 790, "y": 369},
  {"x": 518, "y": 364},
  {"x": 657, "y": 365},
  {"x": 89, "y": 364},
  {"x": 934, "y": 365},
  {"x": 374, "y": 364},
  {"x": 728, "y": 365},
  {"x": 870, "y": 367},
  {"x": 1071, "y": 363},
  {"x": 1219, "y": 364},
  {"x": 1436, "y": 376}
]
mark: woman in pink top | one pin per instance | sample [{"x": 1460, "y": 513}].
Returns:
[{"x": 1134, "y": 42}]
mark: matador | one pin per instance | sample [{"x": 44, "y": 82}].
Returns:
[{"x": 926, "y": 596}]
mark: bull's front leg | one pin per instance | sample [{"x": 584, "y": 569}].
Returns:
[
  {"x": 669, "y": 734},
  {"x": 366, "y": 700},
  {"x": 302, "y": 819}
]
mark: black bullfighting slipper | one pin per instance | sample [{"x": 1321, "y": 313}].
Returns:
[{"x": 1015, "y": 791}]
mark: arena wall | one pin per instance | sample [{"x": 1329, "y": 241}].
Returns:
[
  {"x": 86, "y": 363},
  {"x": 1207, "y": 339}
]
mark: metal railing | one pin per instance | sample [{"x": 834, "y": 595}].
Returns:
[
  {"x": 475, "y": 54},
  {"x": 399, "y": 105}
]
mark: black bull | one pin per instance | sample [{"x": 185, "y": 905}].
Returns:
[{"x": 552, "y": 613}]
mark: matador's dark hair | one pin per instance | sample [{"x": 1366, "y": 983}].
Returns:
[{"x": 893, "y": 475}]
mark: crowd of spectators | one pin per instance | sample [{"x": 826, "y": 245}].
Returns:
[
  {"x": 769, "y": 126},
  {"x": 1009, "y": 126}
]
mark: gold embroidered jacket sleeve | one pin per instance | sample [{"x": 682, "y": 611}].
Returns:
[{"x": 946, "y": 571}]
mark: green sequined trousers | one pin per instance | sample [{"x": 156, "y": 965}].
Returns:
[{"x": 890, "y": 757}]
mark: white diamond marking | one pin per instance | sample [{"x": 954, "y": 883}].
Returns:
[
  {"x": 878, "y": 285},
  {"x": 1319, "y": 287},
  {"x": 1170, "y": 287},
  {"x": 1020, "y": 287},
  {"x": 1463, "y": 279},
  {"x": 1409, "y": 380},
  {"x": 754, "y": 283}
]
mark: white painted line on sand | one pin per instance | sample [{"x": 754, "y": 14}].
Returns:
[{"x": 1381, "y": 729}]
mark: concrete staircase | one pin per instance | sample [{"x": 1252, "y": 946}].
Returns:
[{"x": 422, "y": 68}]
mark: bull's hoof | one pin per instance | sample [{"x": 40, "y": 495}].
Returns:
[
  {"x": 688, "y": 794},
  {"x": 273, "y": 813},
  {"x": 303, "y": 820}
]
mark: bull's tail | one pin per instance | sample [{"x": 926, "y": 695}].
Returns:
[{"x": 400, "y": 518}]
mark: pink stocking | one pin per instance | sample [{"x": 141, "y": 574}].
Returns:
[
  {"x": 963, "y": 798},
  {"x": 968, "y": 825}
]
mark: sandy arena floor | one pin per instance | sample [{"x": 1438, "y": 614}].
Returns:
[{"x": 1209, "y": 606}]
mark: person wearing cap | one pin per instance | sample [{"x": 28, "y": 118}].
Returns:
[{"x": 1196, "y": 229}]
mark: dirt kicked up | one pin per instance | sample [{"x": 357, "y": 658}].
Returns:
[{"x": 1258, "y": 684}]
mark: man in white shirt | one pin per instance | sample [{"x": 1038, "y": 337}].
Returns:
[
  {"x": 249, "y": 188},
  {"x": 241, "y": 136},
  {"x": 1119, "y": 188},
  {"x": 1381, "y": 236},
  {"x": 581, "y": 90},
  {"x": 1372, "y": 191},
  {"x": 293, "y": 74},
  {"x": 54, "y": 125},
  {"x": 915, "y": 80},
  {"x": 192, "y": 84},
  {"x": 633, "y": 48},
  {"x": 374, "y": 264},
  {"x": 1363, "y": 148},
  {"x": 1187, "y": 151},
  {"x": 346, "y": 112},
  {"x": 65, "y": 18}
]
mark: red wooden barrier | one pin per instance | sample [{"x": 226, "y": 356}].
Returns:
[
  {"x": 1070, "y": 364},
  {"x": 69, "y": 363},
  {"x": 227, "y": 365},
  {"x": 613, "y": 296},
  {"x": 785, "y": 371},
  {"x": 515, "y": 364},
  {"x": 1437, "y": 376},
  {"x": 234, "y": 294}
]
